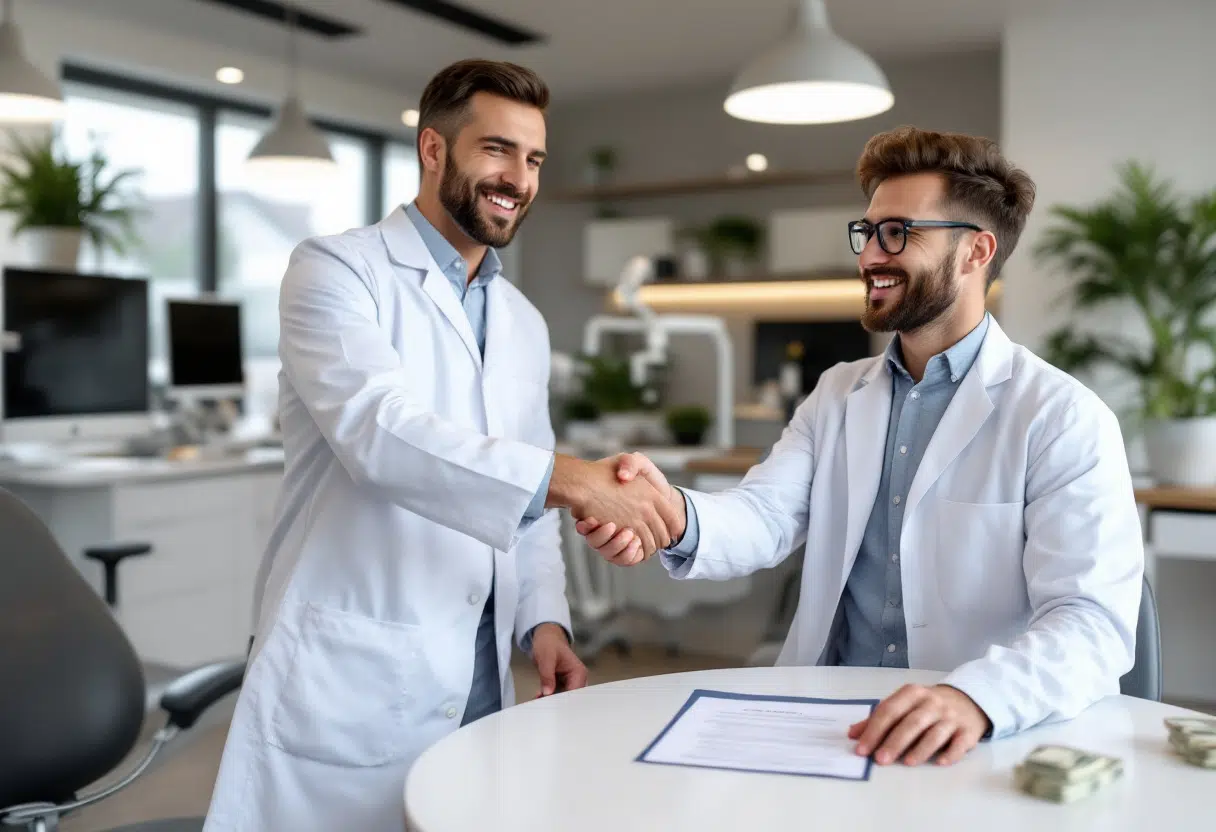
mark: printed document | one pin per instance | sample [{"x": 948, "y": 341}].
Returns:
[{"x": 771, "y": 734}]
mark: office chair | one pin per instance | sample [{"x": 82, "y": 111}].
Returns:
[
  {"x": 72, "y": 690},
  {"x": 1144, "y": 679}
]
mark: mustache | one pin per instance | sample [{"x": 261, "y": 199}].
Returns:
[
  {"x": 883, "y": 271},
  {"x": 509, "y": 191}
]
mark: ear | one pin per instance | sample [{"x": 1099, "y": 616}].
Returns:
[
  {"x": 432, "y": 150},
  {"x": 980, "y": 253}
]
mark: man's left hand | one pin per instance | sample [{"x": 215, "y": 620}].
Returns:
[
  {"x": 556, "y": 663},
  {"x": 917, "y": 722}
]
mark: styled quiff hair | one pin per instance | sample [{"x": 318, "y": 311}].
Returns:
[
  {"x": 445, "y": 101},
  {"x": 981, "y": 184}
]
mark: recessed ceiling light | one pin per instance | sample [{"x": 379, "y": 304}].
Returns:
[
  {"x": 229, "y": 75},
  {"x": 410, "y": 118},
  {"x": 757, "y": 162}
]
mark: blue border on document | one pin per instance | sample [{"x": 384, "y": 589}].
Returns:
[{"x": 759, "y": 697}]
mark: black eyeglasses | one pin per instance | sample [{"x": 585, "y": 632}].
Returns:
[{"x": 893, "y": 234}]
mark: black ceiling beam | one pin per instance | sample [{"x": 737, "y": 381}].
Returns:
[
  {"x": 306, "y": 21},
  {"x": 471, "y": 20}
]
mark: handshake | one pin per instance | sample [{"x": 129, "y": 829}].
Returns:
[{"x": 623, "y": 505}]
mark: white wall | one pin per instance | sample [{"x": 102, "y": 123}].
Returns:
[{"x": 1087, "y": 84}]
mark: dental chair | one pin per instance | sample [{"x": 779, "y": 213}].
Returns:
[{"x": 72, "y": 691}]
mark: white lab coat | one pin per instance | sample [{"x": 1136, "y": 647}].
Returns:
[
  {"x": 409, "y": 467},
  {"x": 1020, "y": 554}
]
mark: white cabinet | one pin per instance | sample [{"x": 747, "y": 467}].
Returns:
[{"x": 191, "y": 599}]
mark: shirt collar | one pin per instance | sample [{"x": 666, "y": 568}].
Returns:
[
  {"x": 957, "y": 359},
  {"x": 446, "y": 256}
]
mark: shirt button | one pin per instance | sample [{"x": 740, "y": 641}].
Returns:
[
  {"x": 474, "y": 598},
  {"x": 890, "y": 648},
  {"x": 896, "y": 500},
  {"x": 903, "y": 449},
  {"x": 954, "y": 378},
  {"x": 916, "y": 394},
  {"x": 451, "y": 712},
  {"x": 895, "y": 558}
]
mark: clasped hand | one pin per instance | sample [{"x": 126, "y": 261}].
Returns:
[{"x": 633, "y": 513}]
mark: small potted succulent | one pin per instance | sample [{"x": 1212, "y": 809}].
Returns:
[{"x": 688, "y": 424}]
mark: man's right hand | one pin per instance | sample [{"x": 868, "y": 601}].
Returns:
[
  {"x": 641, "y": 515},
  {"x": 613, "y": 542}
]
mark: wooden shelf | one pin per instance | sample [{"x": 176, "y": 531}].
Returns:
[
  {"x": 824, "y": 299},
  {"x": 679, "y": 187}
]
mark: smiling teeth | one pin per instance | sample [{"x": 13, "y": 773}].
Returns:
[
  {"x": 885, "y": 282},
  {"x": 501, "y": 202}
]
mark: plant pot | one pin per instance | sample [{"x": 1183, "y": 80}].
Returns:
[
  {"x": 53, "y": 248},
  {"x": 1182, "y": 451},
  {"x": 688, "y": 438}
]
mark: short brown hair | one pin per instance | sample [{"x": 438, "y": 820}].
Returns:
[
  {"x": 980, "y": 182},
  {"x": 445, "y": 101}
]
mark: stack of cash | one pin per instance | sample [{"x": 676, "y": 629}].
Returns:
[
  {"x": 1194, "y": 739},
  {"x": 1063, "y": 774}
]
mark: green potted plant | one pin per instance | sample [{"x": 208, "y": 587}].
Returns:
[
  {"x": 581, "y": 419},
  {"x": 688, "y": 424},
  {"x": 623, "y": 406},
  {"x": 734, "y": 244},
  {"x": 1152, "y": 251},
  {"x": 57, "y": 202}
]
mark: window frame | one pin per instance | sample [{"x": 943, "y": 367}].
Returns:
[{"x": 208, "y": 108}]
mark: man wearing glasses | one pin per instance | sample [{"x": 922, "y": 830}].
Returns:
[{"x": 965, "y": 506}]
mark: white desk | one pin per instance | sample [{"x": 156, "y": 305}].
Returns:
[{"x": 567, "y": 762}]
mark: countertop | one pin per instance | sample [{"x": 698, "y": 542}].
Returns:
[{"x": 101, "y": 471}]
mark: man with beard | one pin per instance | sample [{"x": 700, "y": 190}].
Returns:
[
  {"x": 965, "y": 507},
  {"x": 411, "y": 540}
]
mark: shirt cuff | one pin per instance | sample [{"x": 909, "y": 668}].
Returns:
[
  {"x": 537, "y": 507},
  {"x": 525, "y": 643},
  {"x": 678, "y": 559}
]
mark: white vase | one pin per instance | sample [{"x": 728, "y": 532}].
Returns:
[
  {"x": 53, "y": 248},
  {"x": 1181, "y": 451}
]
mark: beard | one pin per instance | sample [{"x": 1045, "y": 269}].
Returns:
[
  {"x": 461, "y": 198},
  {"x": 923, "y": 299}
]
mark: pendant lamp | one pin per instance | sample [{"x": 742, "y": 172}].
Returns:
[
  {"x": 810, "y": 76},
  {"x": 27, "y": 95},
  {"x": 293, "y": 156}
]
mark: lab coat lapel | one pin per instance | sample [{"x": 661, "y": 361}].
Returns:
[
  {"x": 406, "y": 247},
  {"x": 867, "y": 410},
  {"x": 499, "y": 354},
  {"x": 968, "y": 411}
]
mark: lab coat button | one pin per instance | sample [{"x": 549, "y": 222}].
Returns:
[
  {"x": 890, "y": 648},
  {"x": 451, "y": 713},
  {"x": 474, "y": 598}
]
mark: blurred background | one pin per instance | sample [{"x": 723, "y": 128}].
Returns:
[{"x": 161, "y": 158}]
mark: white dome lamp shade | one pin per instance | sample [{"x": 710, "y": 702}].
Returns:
[
  {"x": 27, "y": 95},
  {"x": 811, "y": 76},
  {"x": 293, "y": 156}
]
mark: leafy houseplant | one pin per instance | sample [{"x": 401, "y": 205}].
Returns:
[
  {"x": 58, "y": 201},
  {"x": 733, "y": 244},
  {"x": 688, "y": 424},
  {"x": 1149, "y": 248},
  {"x": 622, "y": 405}
]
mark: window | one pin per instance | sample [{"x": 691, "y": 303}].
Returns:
[
  {"x": 401, "y": 175},
  {"x": 257, "y": 231},
  {"x": 160, "y": 139}
]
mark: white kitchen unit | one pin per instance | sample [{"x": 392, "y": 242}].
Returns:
[{"x": 190, "y": 600}]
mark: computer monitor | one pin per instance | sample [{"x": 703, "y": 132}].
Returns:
[
  {"x": 75, "y": 356},
  {"x": 205, "y": 351}
]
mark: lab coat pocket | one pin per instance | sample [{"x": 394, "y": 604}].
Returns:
[
  {"x": 979, "y": 558},
  {"x": 350, "y": 686}
]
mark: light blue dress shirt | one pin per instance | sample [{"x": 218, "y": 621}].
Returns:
[
  {"x": 484, "y": 697},
  {"x": 872, "y": 632}
]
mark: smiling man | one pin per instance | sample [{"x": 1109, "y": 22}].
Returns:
[
  {"x": 411, "y": 543},
  {"x": 966, "y": 507}
]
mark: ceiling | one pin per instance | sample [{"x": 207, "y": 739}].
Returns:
[{"x": 590, "y": 47}]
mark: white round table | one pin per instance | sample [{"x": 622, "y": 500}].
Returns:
[{"x": 567, "y": 762}]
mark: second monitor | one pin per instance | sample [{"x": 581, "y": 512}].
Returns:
[{"x": 205, "y": 351}]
